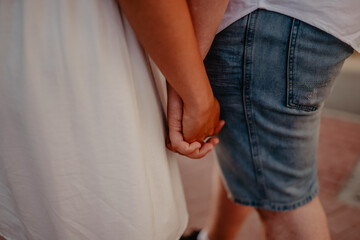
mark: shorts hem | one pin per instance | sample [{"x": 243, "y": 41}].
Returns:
[{"x": 267, "y": 205}]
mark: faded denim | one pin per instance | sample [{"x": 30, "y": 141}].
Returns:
[{"x": 271, "y": 74}]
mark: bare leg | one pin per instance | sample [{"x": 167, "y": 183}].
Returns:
[
  {"x": 305, "y": 223},
  {"x": 225, "y": 216}
]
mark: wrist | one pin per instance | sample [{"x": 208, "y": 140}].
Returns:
[{"x": 200, "y": 103}]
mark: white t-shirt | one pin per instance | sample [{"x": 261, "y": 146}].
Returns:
[{"x": 338, "y": 18}]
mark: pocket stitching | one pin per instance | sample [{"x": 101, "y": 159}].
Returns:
[{"x": 290, "y": 70}]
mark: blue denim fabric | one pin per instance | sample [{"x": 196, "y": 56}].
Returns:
[{"x": 271, "y": 74}]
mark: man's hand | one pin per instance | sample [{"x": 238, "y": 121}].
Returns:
[
  {"x": 202, "y": 121},
  {"x": 176, "y": 142}
]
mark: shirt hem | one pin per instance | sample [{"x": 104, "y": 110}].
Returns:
[{"x": 316, "y": 23}]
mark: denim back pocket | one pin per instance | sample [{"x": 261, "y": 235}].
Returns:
[{"x": 314, "y": 60}]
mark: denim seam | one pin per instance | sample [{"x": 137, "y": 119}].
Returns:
[
  {"x": 249, "y": 116},
  {"x": 290, "y": 62}
]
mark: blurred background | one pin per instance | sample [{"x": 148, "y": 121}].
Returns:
[{"x": 338, "y": 166}]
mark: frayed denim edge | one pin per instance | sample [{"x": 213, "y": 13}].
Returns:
[{"x": 279, "y": 206}]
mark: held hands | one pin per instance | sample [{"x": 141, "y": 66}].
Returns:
[{"x": 190, "y": 125}]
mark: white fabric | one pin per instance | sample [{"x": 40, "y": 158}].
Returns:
[
  {"x": 339, "y": 18},
  {"x": 202, "y": 235},
  {"x": 82, "y": 151}
]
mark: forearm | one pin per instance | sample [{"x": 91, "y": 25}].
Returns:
[
  {"x": 206, "y": 16},
  {"x": 166, "y": 32}
]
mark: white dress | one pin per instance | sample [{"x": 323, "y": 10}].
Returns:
[{"x": 82, "y": 152}]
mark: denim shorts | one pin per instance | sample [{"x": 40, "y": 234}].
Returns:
[{"x": 271, "y": 74}]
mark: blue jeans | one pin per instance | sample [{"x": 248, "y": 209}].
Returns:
[{"x": 271, "y": 74}]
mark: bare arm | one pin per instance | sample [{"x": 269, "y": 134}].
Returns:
[
  {"x": 165, "y": 30},
  {"x": 206, "y": 16}
]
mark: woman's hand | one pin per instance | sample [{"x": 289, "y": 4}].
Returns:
[{"x": 176, "y": 143}]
